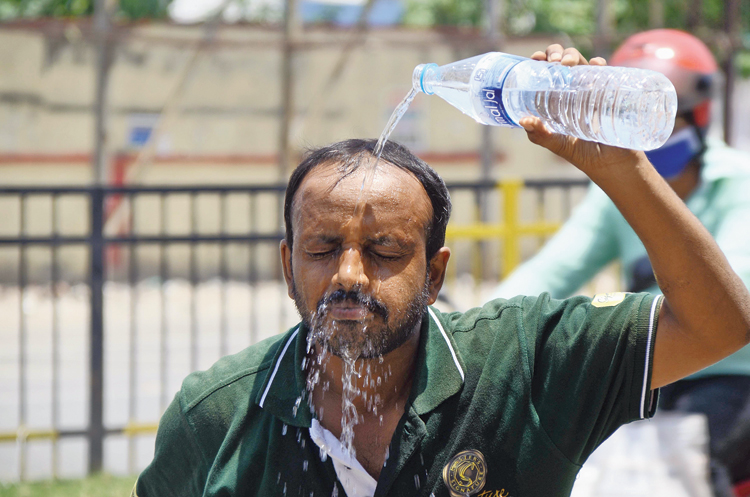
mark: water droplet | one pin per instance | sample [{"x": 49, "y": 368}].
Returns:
[
  {"x": 380, "y": 380},
  {"x": 296, "y": 406},
  {"x": 323, "y": 455},
  {"x": 335, "y": 492},
  {"x": 278, "y": 478},
  {"x": 283, "y": 429},
  {"x": 417, "y": 483},
  {"x": 304, "y": 465},
  {"x": 284, "y": 488}
]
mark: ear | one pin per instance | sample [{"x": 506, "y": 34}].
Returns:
[
  {"x": 286, "y": 264},
  {"x": 438, "y": 266}
]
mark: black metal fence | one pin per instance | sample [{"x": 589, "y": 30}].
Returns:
[
  {"x": 156, "y": 282},
  {"x": 114, "y": 257}
]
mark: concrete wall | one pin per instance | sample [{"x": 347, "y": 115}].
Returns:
[{"x": 216, "y": 102}]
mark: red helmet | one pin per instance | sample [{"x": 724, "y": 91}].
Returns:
[{"x": 680, "y": 56}]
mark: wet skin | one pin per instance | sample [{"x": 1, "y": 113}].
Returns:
[{"x": 378, "y": 249}]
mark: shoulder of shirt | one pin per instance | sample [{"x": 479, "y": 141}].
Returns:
[
  {"x": 493, "y": 310},
  {"x": 248, "y": 367},
  {"x": 457, "y": 322}
]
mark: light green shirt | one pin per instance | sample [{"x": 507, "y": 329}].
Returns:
[{"x": 597, "y": 234}]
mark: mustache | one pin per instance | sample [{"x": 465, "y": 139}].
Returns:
[{"x": 356, "y": 298}]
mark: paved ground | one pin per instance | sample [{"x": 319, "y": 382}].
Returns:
[{"x": 241, "y": 303}]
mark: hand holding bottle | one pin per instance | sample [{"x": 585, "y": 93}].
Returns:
[{"x": 591, "y": 157}]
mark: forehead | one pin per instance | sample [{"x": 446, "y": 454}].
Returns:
[{"x": 394, "y": 195}]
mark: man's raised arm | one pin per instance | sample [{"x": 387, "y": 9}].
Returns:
[{"x": 706, "y": 312}]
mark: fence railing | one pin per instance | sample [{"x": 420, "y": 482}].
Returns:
[{"x": 160, "y": 281}]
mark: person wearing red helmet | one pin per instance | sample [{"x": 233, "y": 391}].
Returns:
[
  {"x": 713, "y": 180},
  {"x": 691, "y": 68}
]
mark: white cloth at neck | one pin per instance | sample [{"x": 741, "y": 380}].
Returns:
[{"x": 356, "y": 481}]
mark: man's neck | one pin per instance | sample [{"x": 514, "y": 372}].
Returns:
[
  {"x": 379, "y": 393},
  {"x": 386, "y": 378}
]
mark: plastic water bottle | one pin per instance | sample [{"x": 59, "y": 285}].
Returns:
[{"x": 620, "y": 106}]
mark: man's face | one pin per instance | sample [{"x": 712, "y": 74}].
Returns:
[{"x": 360, "y": 280}]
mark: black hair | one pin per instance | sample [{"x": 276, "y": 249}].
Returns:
[{"x": 348, "y": 154}]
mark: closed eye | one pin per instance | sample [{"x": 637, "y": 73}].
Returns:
[
  {"x": 320, "y": 254},
  {"x": 386, "y": 257}
]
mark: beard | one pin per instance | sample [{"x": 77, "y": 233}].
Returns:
[{"x": 351, "y": 340}]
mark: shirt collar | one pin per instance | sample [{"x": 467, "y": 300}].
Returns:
[
  {"x": 440, "y": 368},
  {"x": 439, "y": 376},
  {"x": 283, "y": 393}
]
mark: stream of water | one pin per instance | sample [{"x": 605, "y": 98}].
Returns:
[
  {"x": 372, "y": 166},
  {"x": 320, "y": 334}
]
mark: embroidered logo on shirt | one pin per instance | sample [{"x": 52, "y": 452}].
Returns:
[
  {"x": 608, "y": 299},
  {"x": 465, "y": 473}
]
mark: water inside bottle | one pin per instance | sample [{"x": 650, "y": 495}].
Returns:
[{"x": 634, "y": 119}]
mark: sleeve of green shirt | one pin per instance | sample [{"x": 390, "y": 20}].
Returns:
[
  {"x": 590, "y": 366},
  {"x": 178, "y": 468},
  {"x": 578, "y": 251}
]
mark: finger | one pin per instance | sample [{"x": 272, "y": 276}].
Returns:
[
  {"x": 572, "y": 57},
  {"x": 539, "y": 55},
  {"x": 598, "y": 61},
  {"x": 554, "y": 52},
  {"x": 529, "y": 123},
  {"x": 540, "y": 135}
]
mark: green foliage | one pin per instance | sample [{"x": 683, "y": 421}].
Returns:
[
  {"x": 93, "y": 486},
  {"x": 127, "y": 9},
  {"x": 444, "y": 12},
  {"x": 572, "y": 17},
  {"x": 143, "y": 9},
  {"x": 743, "y": 63}
]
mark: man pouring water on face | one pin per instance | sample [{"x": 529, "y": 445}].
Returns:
[{"x": 376, "y": 393}]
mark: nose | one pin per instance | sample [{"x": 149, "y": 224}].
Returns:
[{"x": 351, "y": 270}]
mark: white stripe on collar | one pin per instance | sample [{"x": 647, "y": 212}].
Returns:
[
  {"x": 644, "y": 393},
  {"x": 276, "y": 368},
  {"x": 453, "y": 352}
]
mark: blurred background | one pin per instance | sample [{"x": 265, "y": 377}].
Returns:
[{"x": 144, "y": 149}]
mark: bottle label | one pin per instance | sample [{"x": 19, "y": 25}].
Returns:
[
  {"x": 487, "y": 81},
  {"x": 492, "y": 101}
]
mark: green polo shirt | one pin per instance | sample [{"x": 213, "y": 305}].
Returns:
[{"x": 531, "y": 383}]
